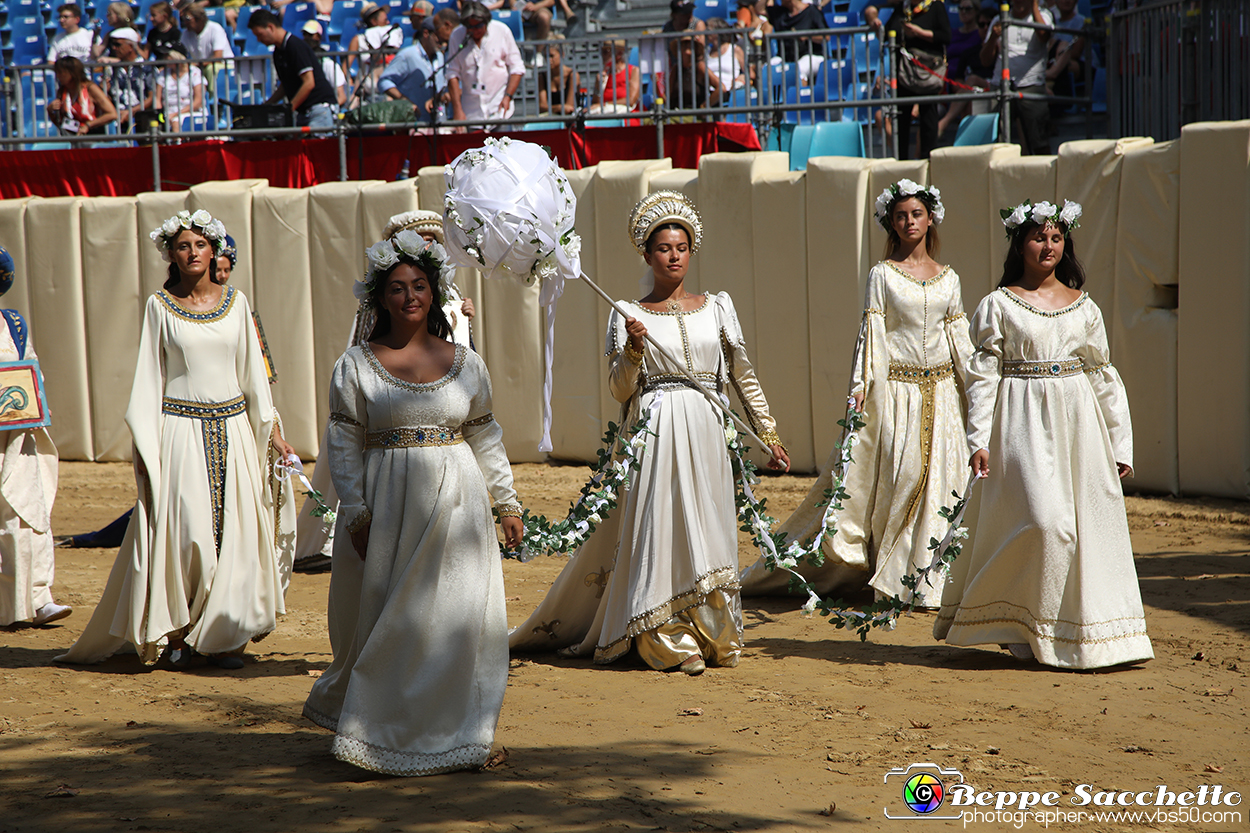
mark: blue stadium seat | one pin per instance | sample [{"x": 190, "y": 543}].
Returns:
[
  {"x": 512, "y": 19},
  {"x": 708, "y": 9},
  {"x": 343, "y": 19},
  {"x": 295, "y": 15},
  {"x": 240, "y": 23},
  {"x": 29, "y": 47},
  {"x": 800, "y": 144},
  {"x": 977, "y": 130},
  {"x": 837, "y": 138},
  {"x": 802, "y": 95},
  {"x": 217, "y": 14},
  {"x": 740, "y": 97}
]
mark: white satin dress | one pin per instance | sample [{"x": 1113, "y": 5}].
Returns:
[
  {"x": 419, "y": 628},
  {"x": 1051, "y": 563},
  {"x": 912, "y": 453},
  {"x": 661, "y": 571}
]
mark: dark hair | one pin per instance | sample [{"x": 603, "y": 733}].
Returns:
[
  {"x": 472, "y": 10},
  {"x": 650, "y": 244},
  {"x": 77, "y": 72},
  {"x": 435, "y": 321},
  {"x": 447, "y": 15},
  {"x": 175, "y": 274},
  {"x": 932, "y": 244},
  {"x": 1068, "y": 271},
  {"x": 71, "y": 8},
  {"x": 261, "y": 18}
]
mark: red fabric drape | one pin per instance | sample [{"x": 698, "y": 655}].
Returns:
[{"x": 300, "y": 163}]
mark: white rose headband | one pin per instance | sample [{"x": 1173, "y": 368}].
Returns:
[
  {"x": 904, "y": 188},
  {"x": 1064, "y": 219},
  {"x": 429, "y": 255},
  {"x": 164, "y": 235}
]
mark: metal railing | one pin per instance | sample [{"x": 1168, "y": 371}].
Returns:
[{"x": 1178, "y": 62}]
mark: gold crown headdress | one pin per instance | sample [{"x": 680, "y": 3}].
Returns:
[
  {"x": 418, "y": 221},
  {"x": 660, "y": 208}
]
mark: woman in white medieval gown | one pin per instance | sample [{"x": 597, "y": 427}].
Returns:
[
  {"x": 417, "y": 618},
  {"x": 1050, "y": 573},
  {"x": 198, "y": 569},
  {"x": 660, "y": 573},
  {"x": 908, "y": 377}
]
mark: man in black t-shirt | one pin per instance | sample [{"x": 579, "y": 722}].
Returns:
[
  {"x": 794, "y": 16},
  {"x": 299, "y": 73}
]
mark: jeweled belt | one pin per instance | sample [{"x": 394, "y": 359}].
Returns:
[
  {"x": 1044, "y": 369},
  {"x": 416, "y": 436},
  {"x": 204, "y": 410},
  {"x": 919, "y": 374},
  {"x": 674, "y": 381}
]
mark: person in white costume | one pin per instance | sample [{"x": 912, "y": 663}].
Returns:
[
  {"x": 28, "y": 469},
  {"x": 198, "y": 571},
  {"x": 1050, "y": 574},
  {"x": 908, "y": 377},
  {"x": 314, "y": 539},
  {"x": 417, "y": 618},
  {"x": 660, "y": 573}
]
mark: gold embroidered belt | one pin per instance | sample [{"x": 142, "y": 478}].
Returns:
[
  {"x": 920, "y": 375},
  {"x": 418, "y": 436},
  {"x": 204, "y": 410},
  {"x": 674, "y": 381},
  {"x": 1043, "y": 369}
]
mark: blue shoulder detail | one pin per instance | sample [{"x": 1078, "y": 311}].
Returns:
[{"x": 17, "y": 328}]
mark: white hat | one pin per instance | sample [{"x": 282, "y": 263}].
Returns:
[
  {"x": 125, "y": 33},
  {"x": 312, "y": 27}
]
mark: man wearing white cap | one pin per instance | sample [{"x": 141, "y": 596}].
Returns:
[
  {"x": 312, "y": 34},
  {"x": 128, "y": 82}
]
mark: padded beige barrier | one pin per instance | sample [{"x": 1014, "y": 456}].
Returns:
[
  {"x": 113, "y": 302},
  {"x": 382, "y": 200},
  {"x": 838, "y": 210},
  {"x": 13, "y": 238},
  {"x": 1147, "y": 271},
  {"x": 1213, "y": 356},
  {"x": 971, "y": 234},
  {"x": 231, "y": 202},
  {"x": 279, "y": 256},
  {"x": 56, "y": 313}
]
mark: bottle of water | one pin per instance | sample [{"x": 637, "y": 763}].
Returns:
[{"x": 403, "y": 171}]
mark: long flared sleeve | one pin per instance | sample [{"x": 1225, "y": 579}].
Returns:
[
  {"x": 485, "y": 436},
  {"x": 143, "y": 414},
  {"x": 1108, "y": 387},
  {"x": 624, "y": 366},
  {"x": 742, "y": 374},
  {"x": 984, "y": 372},
  {"x": 957, "y": 338},
  {"x": 871, "y": 358},
  {"x": 346, "y": 439},
  {"x": 253, "y": 375}
]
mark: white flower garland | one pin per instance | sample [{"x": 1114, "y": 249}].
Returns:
[
  {"x": 384, "y": 254},
  {"x": 1065, "y": 218},
  {"x": 163, "y": 236},
  {"x": 908, "y": 188}
]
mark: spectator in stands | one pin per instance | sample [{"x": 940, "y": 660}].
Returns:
[
  {"x": 80, "y": 107},
  {"x": 681, "y": 18},
  {"x": 621, "y": 89},
  {"x": 557, "y": 82},
  {"x": 806, "y": 52},
  {"x": 485, "y": 66},
  {"x": 963, "y": 60},
  {"x": 163, "y": 35},
  {"x": 926, "y": 32},
  {"x": 1026, "y": 61},
  {"x": 130, "y": 84},
  {"x": 1067, "y": 50},
  {"x": 725, "y": 56},
  {"x": 753, "y": 17},
  {"x": 300, "y": 78},
  {"x": 205, "y": 40},
  {"x": 379, "y": 35},
  {"x": 75, "y": 41},
  {"x": 417, "y": 15},
  {"x": 691, "y": 85},
  {"x": 417, "y": 73},
  {"x": 117, "y": 15},
  {"x": 180, "y": 91},
  {"x": 535, "y": 15},
  {"x": 312, "y": 34}
]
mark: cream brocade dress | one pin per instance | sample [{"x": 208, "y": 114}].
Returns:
[
  {"x": 661, "y": 572},
  {"x": 1051, "y": 563},
  {"x": 419, "y": 628},
  {"x": 912, "y": 452},
  {"x": 201, "y": 556},
  {"x": 28, "y": 470}
]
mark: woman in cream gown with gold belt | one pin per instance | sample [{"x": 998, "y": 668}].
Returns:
[
  {"x": 908, "y": 376},
  {"x": 660, "y": 573}
]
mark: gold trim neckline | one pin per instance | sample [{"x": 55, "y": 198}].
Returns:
[
  {"x": 222, "y": 308},
  {"x": 1048, "y": 313},
  {"x": 419, "y": 387},
  {"x": 707, "y": 296},
  {"x": 918, "y": 281}
]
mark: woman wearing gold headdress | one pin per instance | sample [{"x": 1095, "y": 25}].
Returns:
[{"x": 660, "y": 573}]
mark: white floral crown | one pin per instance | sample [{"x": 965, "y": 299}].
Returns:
[
  {"x": 1066, "y": 218},
  {"x": 429, "y": 255},
  {"x": 902, "y": 189},
  {"x": 163, "y": 236}
]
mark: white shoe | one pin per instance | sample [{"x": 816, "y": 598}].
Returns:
[{"x": 51, "y": 612}]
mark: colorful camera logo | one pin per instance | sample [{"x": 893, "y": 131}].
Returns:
[{"x": 923, "y": 789}]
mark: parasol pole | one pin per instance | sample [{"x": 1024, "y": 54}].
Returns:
[{"x": 711, "y": 397}]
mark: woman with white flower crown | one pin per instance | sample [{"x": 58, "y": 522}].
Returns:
[
  {"x": 1050, "y": 574},
  {"x": 908, "y": 377},
  {"x": 197, "y": 573},
  {"x": 417, "y": 618},
  {"x": 660, "y": 573}
]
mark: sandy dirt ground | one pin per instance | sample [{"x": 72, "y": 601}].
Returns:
[{"x": 799, "y": 737}]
